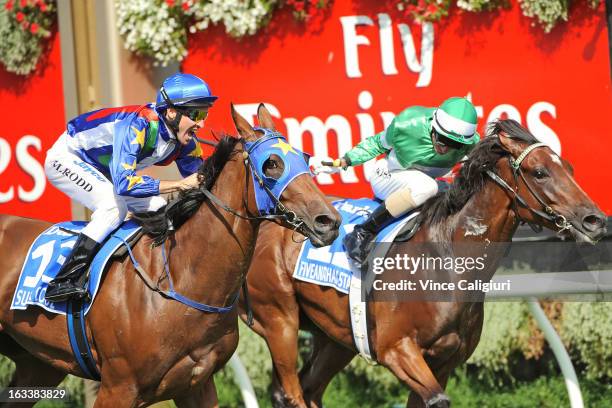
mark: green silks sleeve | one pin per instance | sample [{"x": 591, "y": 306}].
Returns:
[{"x": 368, "y": 149}]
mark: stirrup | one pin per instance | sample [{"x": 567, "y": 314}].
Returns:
[
  {"x": 358, "y": 246},
  {"x": 65, "y": 293}
]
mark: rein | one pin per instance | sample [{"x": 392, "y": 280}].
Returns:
[
  {"x": 172, "y": 294},
  {"x": 280, "y": 212},
  {"x": 549, "y": 214}
]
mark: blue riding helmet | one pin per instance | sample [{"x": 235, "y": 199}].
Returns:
[{"x": 184, "y": 90}]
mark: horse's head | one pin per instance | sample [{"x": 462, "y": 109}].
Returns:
[
  {"x": 546, "y": 192},
  {"x": 283, "y": 186}
]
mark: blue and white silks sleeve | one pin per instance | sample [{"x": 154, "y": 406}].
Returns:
[
  {"x": 190, "y": 158},
  {"x": 129, "y": 140}
]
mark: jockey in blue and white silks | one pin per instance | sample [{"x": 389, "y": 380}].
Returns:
[
  {"x": 120, "y": 141},
  {"x": 95, "y": 162}
]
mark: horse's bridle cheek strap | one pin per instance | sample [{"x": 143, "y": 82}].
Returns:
[{"x": 549, "y": 214}]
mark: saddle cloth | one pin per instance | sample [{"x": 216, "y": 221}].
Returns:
[
  {"x": 48, "y": 253},
  {"x": 329, "y": 266}
]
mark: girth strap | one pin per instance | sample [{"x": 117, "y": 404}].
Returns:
[{"x": 77, "y": 334}]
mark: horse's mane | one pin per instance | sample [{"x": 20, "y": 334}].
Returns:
[
  {"x": 472, "y": 175},
  {"x": 156, "y": 224}
]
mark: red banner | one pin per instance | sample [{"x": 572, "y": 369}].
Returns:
[
  {"x": 341, "y": 77},
  {"x": 33, "y": 118}
]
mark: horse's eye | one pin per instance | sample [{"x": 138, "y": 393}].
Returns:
[
  {"x": 540, "y": 173},
  {"x": 270, "y": 164}
]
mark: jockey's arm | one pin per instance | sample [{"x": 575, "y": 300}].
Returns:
[
  {"x": 367, "y": 150},
  {"x": 129, "y": 141},
  {"x": 187, "y": 183},
  {"x": 123, "y": 165},
  {"x": 190, "y": 159},
  {"x": 188, "y": 164}
]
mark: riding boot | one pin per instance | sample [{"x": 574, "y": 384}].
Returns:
[
  {"x": 360, "y": 241},
  {"x": 70, "y": 280}
]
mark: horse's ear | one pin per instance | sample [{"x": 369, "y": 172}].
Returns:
[
  {"x": 509, "y": 144},
  {"x": 264, "y": 117},
  {"x": 242, "y": 126}
]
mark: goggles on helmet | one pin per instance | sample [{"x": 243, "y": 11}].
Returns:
[
  {"x": 196, "y": 114},
  {"x": 443, "y": 141}
]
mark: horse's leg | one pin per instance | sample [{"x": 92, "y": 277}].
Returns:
[
  {"x": 415, "y": 400},
  {"x": 117, "y": 396},
  {"x": 443, "y": 356},
  {"x": 280, "y": 330},
  {"x": 203, "y": 397},
  {"x": 328, "y": 358},
  {"x": 29, "y": 371},
  {"x": 406, "y": 361}
]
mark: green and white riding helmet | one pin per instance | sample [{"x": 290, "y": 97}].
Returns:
[{"x": 456, "y": 119}]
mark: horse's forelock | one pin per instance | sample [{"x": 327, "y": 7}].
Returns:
[{"x": 512, "y": 129}]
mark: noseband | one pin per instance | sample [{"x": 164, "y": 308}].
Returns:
[{"x": 549, "y": 214}]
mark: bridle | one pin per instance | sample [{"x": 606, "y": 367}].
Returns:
[
  {"x": 280, "y": 212},
  {"x": 548, "y": 213}
]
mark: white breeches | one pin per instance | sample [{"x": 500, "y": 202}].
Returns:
[
  {"x": 419, "y": 184},
  {"x": 86, "y": 185}
]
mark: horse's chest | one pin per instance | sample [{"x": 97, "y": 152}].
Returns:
[{"x": 204, "y": 350}]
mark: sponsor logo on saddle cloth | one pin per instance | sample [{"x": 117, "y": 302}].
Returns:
[
  {"x": 329, "y": 266},
  {"x": 48, "y": 253}
]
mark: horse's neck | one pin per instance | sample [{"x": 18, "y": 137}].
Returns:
[
  {"x": 213, "y": 249},
  {"x": 493, "y": 208},
  {"x": 487, "y": 223}
]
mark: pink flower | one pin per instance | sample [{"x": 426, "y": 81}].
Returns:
[
  {"x": 23, "y": 3},
  {"x": 20, "y": 16},
  {"x": 42, "y": 6},
  {"x": 432, "y": 8},
  {"x": 34, "y": 28},
  {"x": 185, "y": 6},
  {"x": 25, "y": 25},
  {"x": 299, "y": 6},
  {"x": 170, "y": 3},
  {"x": 9, "y": 5}
]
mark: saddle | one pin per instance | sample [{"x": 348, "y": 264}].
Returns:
[{"x": 49, "y": 251}]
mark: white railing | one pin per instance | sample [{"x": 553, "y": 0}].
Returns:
[
  {"x": 554, "y": 284},
  {"x": 244, "y": 382}
]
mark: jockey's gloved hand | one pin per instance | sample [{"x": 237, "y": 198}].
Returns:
[
  {"x": 326, "y": 165},
  {"x": 190, "y": 182}
]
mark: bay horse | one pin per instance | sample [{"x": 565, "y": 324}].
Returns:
[
  {"x": 421, "y": 342},
  {"x": 147, "y": 347}
]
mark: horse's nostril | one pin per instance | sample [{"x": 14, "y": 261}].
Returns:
[
  {"x": 323, "y": 220},
  {"x": 593, "y": 222}
]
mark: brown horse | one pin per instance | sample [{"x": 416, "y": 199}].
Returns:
[
  {"x": 421, "y": 342},
  {"x": 147, "y": 347}
]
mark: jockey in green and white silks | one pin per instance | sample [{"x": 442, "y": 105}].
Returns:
[{"x": 420, "y": 144}]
